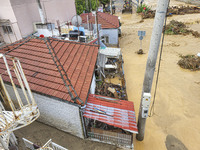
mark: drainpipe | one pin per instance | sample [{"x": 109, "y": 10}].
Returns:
[
  {"x": 83, "y": 121},
  {"x": 41, "y": 12}
]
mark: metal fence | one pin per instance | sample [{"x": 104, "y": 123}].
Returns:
[
  {"x": 111, "y": 137},
  {"x": 48, "y": 146}
]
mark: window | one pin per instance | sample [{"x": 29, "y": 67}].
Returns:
[
  {"x": 105, "y": 39},
  {"x": 49, "y": 26},
  {"x": 41, "y": 26},
  {"x": 7, "y": 29}
]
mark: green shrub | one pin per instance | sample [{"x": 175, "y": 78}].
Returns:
[{"x": 143, "y": 8}]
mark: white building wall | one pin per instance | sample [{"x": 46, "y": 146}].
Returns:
[
  {"x": 56, "y": 113},
  {"x": 62, "y": 10},
  {"x": 6, "y": 12},
  {"x": 26, "y": 13},
  {"x": 113, "y": 35}
]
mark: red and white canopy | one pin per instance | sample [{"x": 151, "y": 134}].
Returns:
[{"x": 118, "y": 113}]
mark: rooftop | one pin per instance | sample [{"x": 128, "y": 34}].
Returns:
[
  {"x": 77, "y": 59},
  {"x": 106, "y": 20}
]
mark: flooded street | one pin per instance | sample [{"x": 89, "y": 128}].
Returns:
[{"x": 177, "y": 102}]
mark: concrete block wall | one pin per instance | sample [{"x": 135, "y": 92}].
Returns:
[{"x": 56, "y": 113}]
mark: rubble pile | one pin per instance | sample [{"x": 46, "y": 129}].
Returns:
[
  {"x": 190, "y": 62},
  {"x": 174, "y": 10},
  {"x": 176, "y": 27},
  {"x": 183, "y": 10},
  {"x": 140, "y": 52},
  {"x": 97, "y": 124},
  {"x": 111, "y": 90}
]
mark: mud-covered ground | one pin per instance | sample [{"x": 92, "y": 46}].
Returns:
[
  {"x": 175, "y": 125},
  {"x": 40, "y": 133}
]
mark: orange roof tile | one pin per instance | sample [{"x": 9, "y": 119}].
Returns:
[
  {"x": 78, "y": 60},
  {"x": 106, "y": 20}
]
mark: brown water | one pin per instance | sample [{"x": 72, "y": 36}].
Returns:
[{"x": 177, "y": 106}]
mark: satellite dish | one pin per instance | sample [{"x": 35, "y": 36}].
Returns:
[{"x": 76, "y": 20}]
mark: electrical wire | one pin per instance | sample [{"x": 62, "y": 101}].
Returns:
[{"x": 159, "y": 63}]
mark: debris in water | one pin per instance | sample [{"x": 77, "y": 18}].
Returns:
[
  {"x": 174, "y": 10},
  {"x": 140, "y": 52},
  {"x": 176, "y": 27},
  {"x": 111, "y": 90},
  {"x": 190, "y": 62}
]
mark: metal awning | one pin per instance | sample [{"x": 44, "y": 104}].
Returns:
[
  {"x": 111, "y": 52},
  {"x": 118, "y": 113}
]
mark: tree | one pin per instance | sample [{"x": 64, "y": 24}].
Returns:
[{"x": 80, "y": 5}]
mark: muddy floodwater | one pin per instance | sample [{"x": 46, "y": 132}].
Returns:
[{"x": 176, "y": 122}]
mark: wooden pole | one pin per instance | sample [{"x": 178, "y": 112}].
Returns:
[{"x": 151, "y": 61}]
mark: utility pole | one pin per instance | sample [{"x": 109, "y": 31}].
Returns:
[{"x": 150, "y": 66}]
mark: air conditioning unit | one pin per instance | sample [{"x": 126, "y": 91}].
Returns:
[{"x": 83, "y": 39}]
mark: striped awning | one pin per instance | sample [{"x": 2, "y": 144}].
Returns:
[{"x": 118, "y": 113}]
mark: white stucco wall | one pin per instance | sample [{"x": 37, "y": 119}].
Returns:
[
  {"x": 6, "y": 12},
  {"x": 56, "y": 113},
  {"x": 113, "y": 35},
  {"x": 62, "y": 10},
  {"x": 26, "y": 13},
  {"x": 23, "y": 13}
]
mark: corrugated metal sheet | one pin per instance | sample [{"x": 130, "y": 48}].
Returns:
[{"x": 118, "y": 113}]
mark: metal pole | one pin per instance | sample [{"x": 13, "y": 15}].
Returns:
[
  {"x": 77, "y": 20},
  {"x": 90, "y": 6},
  {"x": 86, "y": 6},
  {"x": 98, "y": 41},
  {"x": 111, "y": 7},
  {"x": 59, "y": 29},
  {"x": 151, "y": 61},
  {"x": 3, "y": 143}
]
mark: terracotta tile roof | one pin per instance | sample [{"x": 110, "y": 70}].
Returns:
[
  {"x": 78, "y": 60},
  {"x": 106, "y": 20}
]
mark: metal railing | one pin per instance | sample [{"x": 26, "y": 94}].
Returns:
[
  {"x": 21, "y": 109},
  {"x": 48, "y": 146}
]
